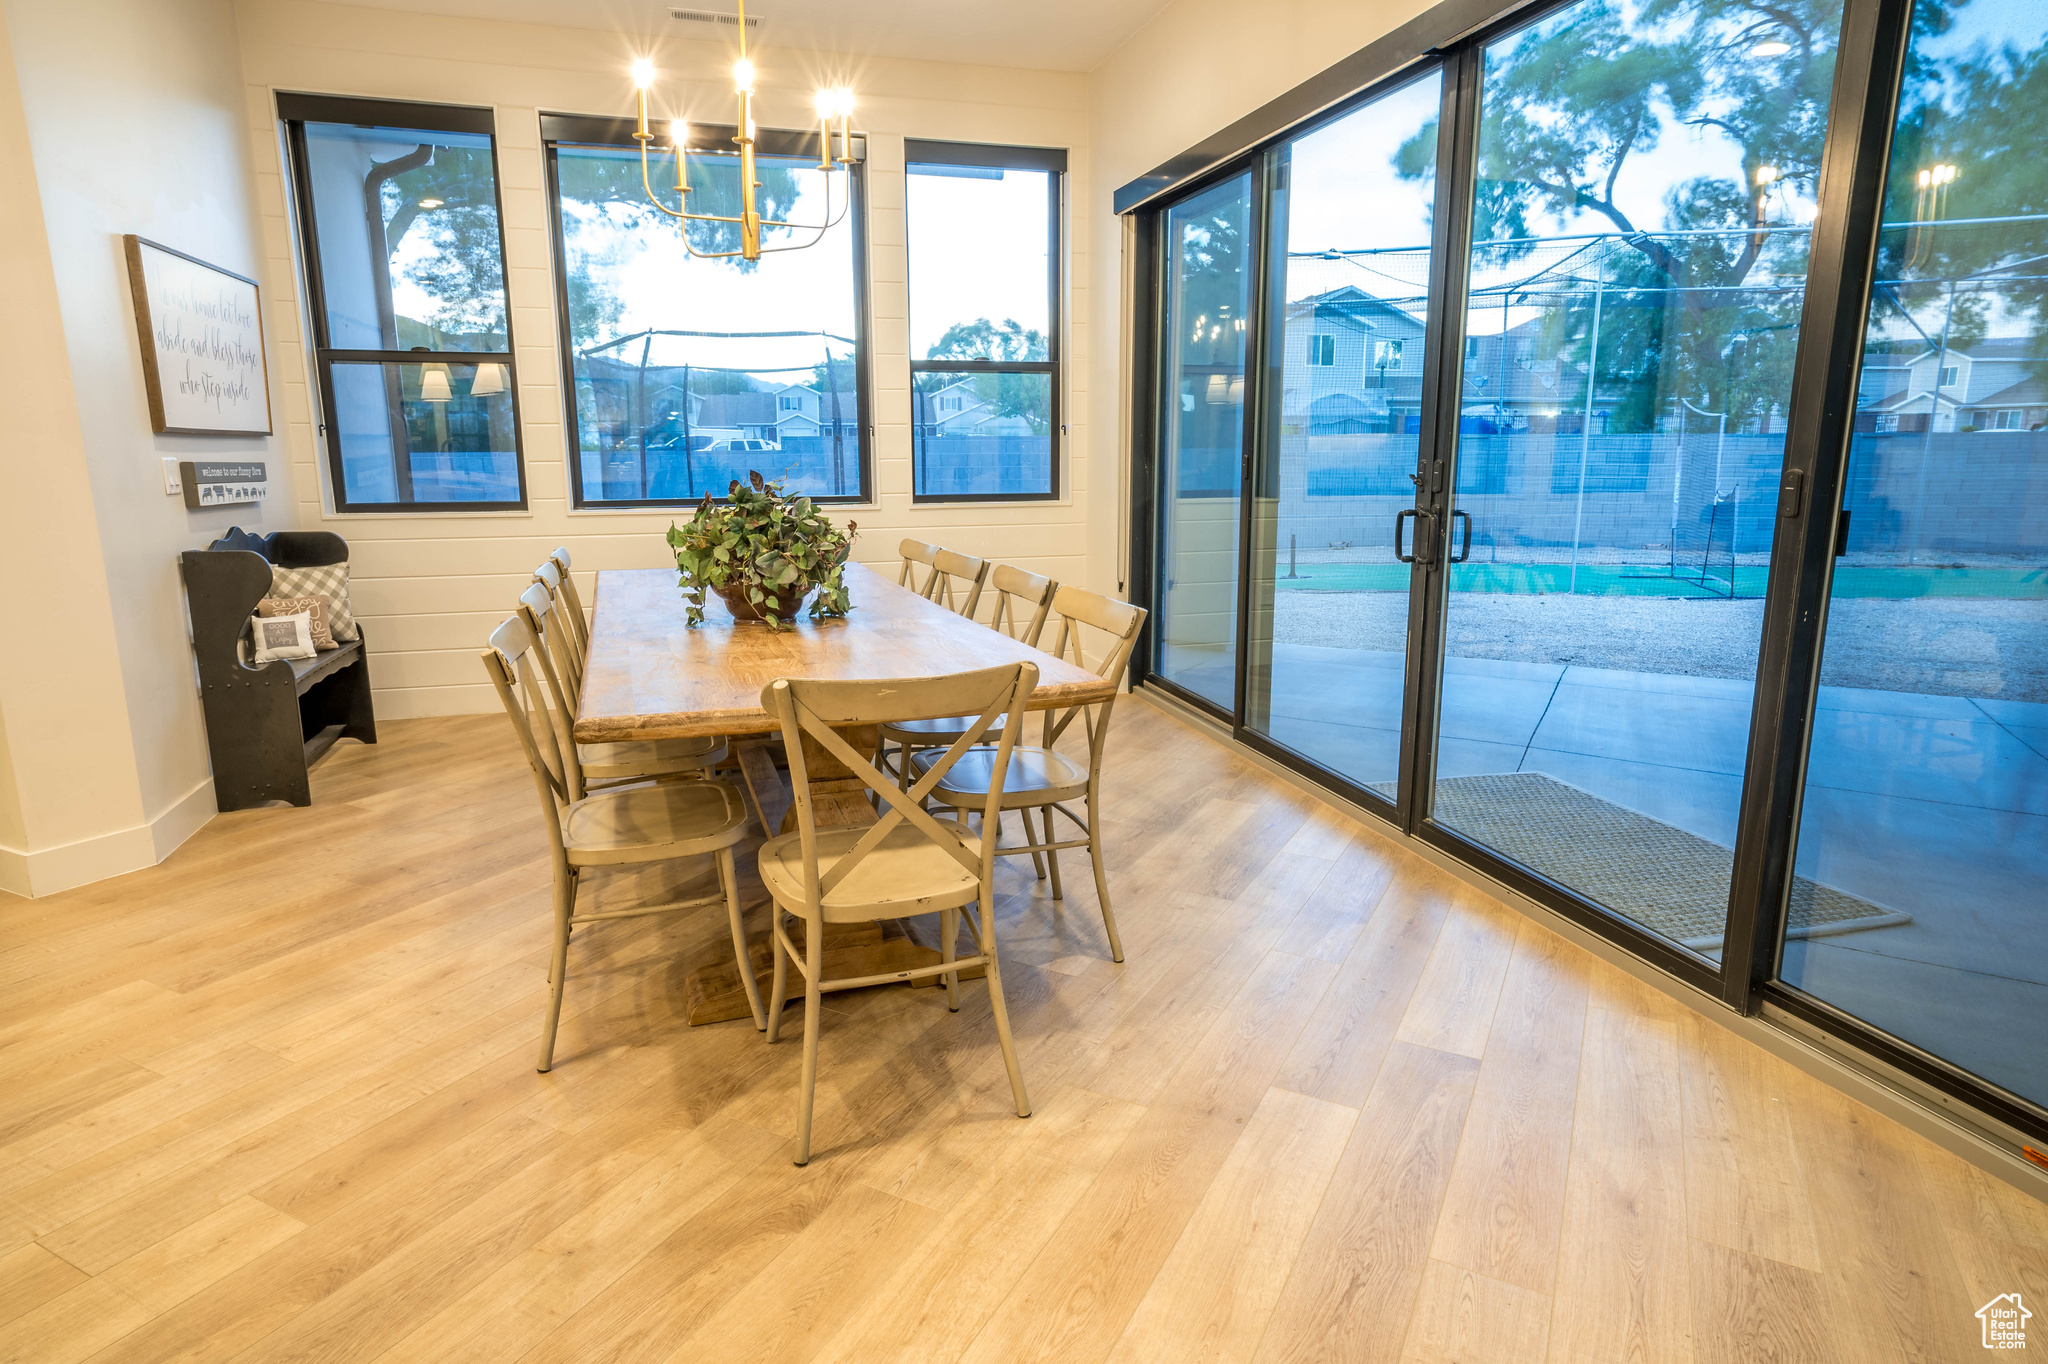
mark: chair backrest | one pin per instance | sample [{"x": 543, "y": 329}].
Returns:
[
  {"x": 510, "y": 662},
  {"x": 956, "y": 581},
  {"x": 571, "y": 599},
  {"x": 550, "y": 625},
  {"x": 1023, "y": 600},
  {"x": 814, "y": 709},
  {"x": 1080, "y": 610},
  {"x": 542, "y": 615},
  {"x": 917, "y": 552}
]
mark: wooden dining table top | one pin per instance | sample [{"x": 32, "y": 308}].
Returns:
[{"x": 651, "y": 676}]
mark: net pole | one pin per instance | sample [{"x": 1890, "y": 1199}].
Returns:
[{"x": 1586, "y": 426}]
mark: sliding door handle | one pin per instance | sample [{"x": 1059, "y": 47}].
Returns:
[
  {"x": 1464, "y": 550},
  {"x": 1425, "y": 536}
]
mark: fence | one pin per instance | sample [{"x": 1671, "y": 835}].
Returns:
[
  {"x": 1001, "y": 466},
  {"x": 1971, "y": 493}
]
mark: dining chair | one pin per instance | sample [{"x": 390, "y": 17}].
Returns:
[
  {"x": 908, "y": 862},
  {"x": 628, "y": 826},
  {"x": 915, "y": 553},
  {"x": 571, "y": 599},
  {"x": 1041, "y": 778},
  {"x": 605, "y": 764},
  {"x": 956, "y": 581},
  {"x": 1023, "y": 601}
]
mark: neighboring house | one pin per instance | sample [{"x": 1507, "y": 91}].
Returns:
[
  {"x": 955, "y": 411},
  {"x": 1992, "y": 386},
  {"x": 1352, "y": 365}
]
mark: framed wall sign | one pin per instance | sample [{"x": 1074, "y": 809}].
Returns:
[{"x": 202, "y": 344}]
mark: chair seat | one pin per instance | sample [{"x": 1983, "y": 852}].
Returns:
[
  {"x": 649, "y": 757},
  {"x": 940, "y": 732},
  {"x": 650, "y": 823},
  {"x": 906, "y": 874},
  {"x": 1036, "y": 776}
]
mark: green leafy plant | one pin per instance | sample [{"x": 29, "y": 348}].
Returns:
[{"x": 763, "y": 551}]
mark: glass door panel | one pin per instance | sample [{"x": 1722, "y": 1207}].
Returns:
[
  {"x": 1201, "y": 468},
  {"x": 1341, "y": 423},
  {"x": 1641, "y": 214},
  {"x": 1918, "y": 901}
]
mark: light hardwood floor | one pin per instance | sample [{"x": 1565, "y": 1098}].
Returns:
[{"x": 275, "y": 1099}]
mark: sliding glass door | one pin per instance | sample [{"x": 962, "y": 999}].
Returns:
[
  {"x": 1613, "y": 448},
  {"x": 1920, "y": 903},
  {"x": 1341, "y": 422},
  {"x": 1631, "y": 316},
  {"x": 1207, "y": 297}
]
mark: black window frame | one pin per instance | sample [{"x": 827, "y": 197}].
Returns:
[
  {"x": 588, "y": 130},
  {"x": 927, "y": 152},
  {"x": 294, "y": 111}
]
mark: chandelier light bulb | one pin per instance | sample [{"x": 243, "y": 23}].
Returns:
[
  {"x": 678, "y": 134},
  {"x": 827, "y": 103},
  {"x": 743, "y": 76},
  {"x": 1772, "y": 47},
  {"x": 1766, "y": 175},
  {"x": 643, "y": 73}
]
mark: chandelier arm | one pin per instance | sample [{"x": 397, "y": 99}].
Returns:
[
  {"x": 647, "y": 183},
  {"x": 831, "y": 222}
]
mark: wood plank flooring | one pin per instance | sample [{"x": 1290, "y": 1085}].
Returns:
[{"x": 275, "y": 1100}]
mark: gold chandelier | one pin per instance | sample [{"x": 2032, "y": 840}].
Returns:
[{"x": 832, "y": 103}]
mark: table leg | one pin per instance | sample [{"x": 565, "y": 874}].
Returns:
[{"x": 838, "y": 799}]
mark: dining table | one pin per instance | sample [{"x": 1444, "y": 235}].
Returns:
[{"x": 650, "y": 674}]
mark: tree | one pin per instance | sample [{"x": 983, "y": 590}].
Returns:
[
  {"x": 606, "y": 217},
  {"x": 982, "y": 339}
]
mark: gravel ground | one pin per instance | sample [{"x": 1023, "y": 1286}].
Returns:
[{"x": 1952, "y": 646}]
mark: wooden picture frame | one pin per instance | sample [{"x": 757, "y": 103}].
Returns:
[{"x": 201, "y": 330}]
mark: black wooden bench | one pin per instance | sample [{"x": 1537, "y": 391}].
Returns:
[{"x": 266, "y": 725}]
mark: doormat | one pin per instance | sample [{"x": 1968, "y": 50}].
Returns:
[{"x": 1666, "y": 879}]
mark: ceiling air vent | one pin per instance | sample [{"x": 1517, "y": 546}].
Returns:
[{"x": 705, "y": 16}]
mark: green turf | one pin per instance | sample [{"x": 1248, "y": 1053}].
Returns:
[{"x": 1610, "y": 580}]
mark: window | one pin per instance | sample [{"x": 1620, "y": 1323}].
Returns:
[
  {"x": 405, "y": 283},
  {"x": 983, "y": 225},
  {"x": 1948, "y": 376},
  {"x": 1386, "y": 355},
  {"x": 1322, "y": 349},
  {"x": 685, "y": 373}
]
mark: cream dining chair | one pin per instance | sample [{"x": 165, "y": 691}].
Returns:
[
  {"x": 629, "y": 826},
  {"x": 605, "y": 764},
  {"x": 906, "y": 863},
  {"x": 1022, "y": 603},
  {"x": 1042, "y": 778},
  {"x": 916, "y": 554},
  {"x": 956, "y": 581},
  {"x": 571, "y": 599}
]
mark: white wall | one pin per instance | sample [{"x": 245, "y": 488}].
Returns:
[
  {"x": 128, "y": 113},
  {"x": 430, "y": 587},
  {"x": 1196, "y": 67}
]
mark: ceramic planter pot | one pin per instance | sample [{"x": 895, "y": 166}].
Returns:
[{"x": 735, "y": 598}]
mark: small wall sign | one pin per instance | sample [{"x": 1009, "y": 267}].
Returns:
[
  {"x": 223, "y": 485},
  {"x": 202, "y": 343}
]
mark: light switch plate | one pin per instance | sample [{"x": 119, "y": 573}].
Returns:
[{"x": 172, "y": 487}]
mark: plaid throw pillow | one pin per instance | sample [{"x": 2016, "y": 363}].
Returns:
[{"x": 326, "y": 580}]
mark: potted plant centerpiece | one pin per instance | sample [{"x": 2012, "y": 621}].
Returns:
[{"x": 764, "y": 552}]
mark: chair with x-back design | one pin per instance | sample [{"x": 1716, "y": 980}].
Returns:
[{"x": 906, "y": 863}]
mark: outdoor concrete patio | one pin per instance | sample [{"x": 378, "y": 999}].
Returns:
[{"x": 1936, "y": 806}]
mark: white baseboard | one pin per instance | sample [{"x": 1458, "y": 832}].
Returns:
[{"x": 45, "y": 871}]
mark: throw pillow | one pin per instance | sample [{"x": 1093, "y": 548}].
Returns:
[
  {"x": 324, "y": 580},
  {"x": 282, "y": 637},
  {"x": 316, "y": 607}
]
